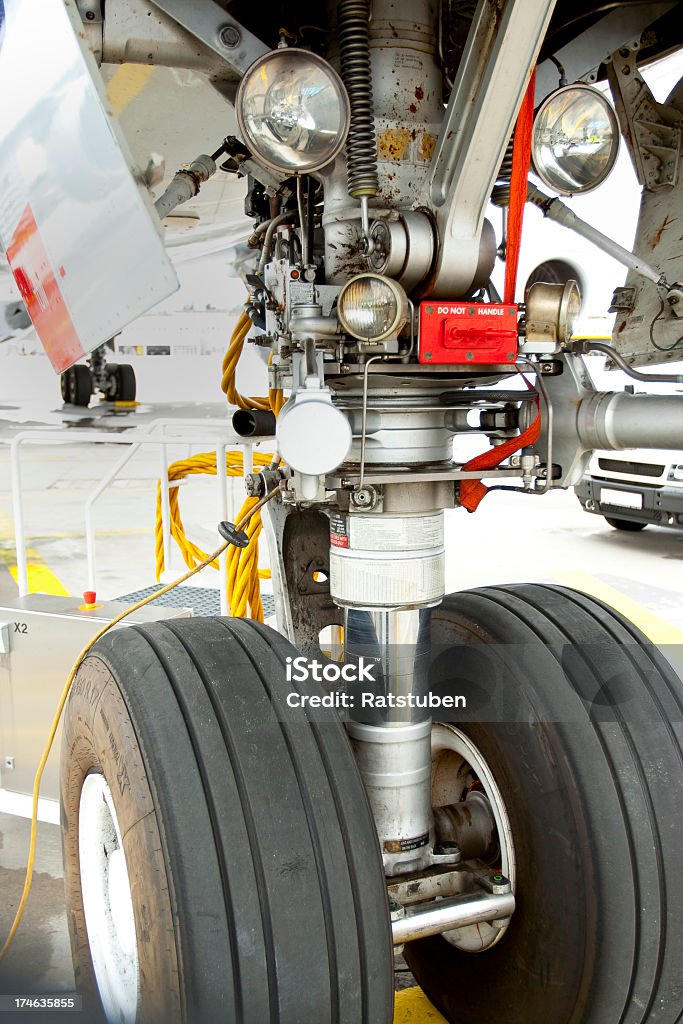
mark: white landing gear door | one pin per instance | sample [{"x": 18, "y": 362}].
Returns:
[{"x": 78, "y": 226}]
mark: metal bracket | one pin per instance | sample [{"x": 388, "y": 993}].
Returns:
[
  {"x": 502, "y": 46},
  {"x": 299, "y": 548},
  {"x": 206, "y": 20},
  {"x": 652, "y": 130}
]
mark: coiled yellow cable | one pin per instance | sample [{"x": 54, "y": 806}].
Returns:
[
  {"x": 243, "y": 572},
  {"x": 244, "y": 575}
]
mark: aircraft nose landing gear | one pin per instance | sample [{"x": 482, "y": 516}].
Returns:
[{"x": 115, "y": 381}]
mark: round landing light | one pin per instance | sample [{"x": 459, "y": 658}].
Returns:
[
  {"x": 293, "y": 111},
  {"x": 575, "y": 139},
  {"x": 551, "y": 311},
  {"x": 372, "y": 307}
]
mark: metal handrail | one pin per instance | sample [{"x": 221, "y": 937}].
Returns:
[{"x": 135, "y": 439}]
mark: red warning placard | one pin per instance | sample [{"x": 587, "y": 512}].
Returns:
[{"x": 40, "y": 291}]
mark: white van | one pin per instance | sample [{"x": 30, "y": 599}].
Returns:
[{"x": 633, "y": 488}]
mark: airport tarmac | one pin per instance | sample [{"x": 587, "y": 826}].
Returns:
[{"x": 510, "y": 538}]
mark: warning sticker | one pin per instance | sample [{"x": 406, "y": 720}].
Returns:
[
  {"x": 405, "y": 845},
  {"x": 402, "y": 533},
  {"x": 339, "y": 534}
]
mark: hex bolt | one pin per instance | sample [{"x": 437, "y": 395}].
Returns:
[{"x": 230, "y": 36}]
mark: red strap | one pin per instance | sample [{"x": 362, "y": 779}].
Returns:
[
  {"x": 472, "y": 491},
  {"x": 521, "y": 158}
]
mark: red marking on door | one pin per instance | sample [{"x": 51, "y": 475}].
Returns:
[{"x": 39, "y": 289}]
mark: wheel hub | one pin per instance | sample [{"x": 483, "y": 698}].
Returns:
[{"x": 107, "y": 902}]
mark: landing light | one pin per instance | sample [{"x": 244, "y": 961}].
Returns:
[
  {"x": 293, "y": 111},
  {"x": 575, "y": 139}
]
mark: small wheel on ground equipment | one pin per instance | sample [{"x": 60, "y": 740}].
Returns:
[
  {"x": 581, "y": 759},
  {"x": 220, "y": 857},
  {"x": 625, "y": 524}
]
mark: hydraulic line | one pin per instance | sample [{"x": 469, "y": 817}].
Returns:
[
  {"x": 361, "y": 146},
  {"x": 243, "y": 521}
]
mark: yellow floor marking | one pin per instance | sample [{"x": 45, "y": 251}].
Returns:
[
  {"x": 41, "y": 579},
  {"x": 658, "y": 630},
  {"x": 413, "y": 1007},
  {"x": 127, "y": 83}
]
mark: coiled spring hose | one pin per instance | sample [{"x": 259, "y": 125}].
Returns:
[{"x": 361, "y": 146}]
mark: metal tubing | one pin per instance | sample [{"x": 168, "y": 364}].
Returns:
[
  {"x": 653, "y": 378},
  {"x": 18, "y": 513},
  {"x": 616, "y": 420},
  {"x": 556, "y": 210},
  {"x": 222, "y": 482},
  {"x": 447, "y": 914},
  {"x": 89, "y": 504},
  {"x": 164, "y": 485}
]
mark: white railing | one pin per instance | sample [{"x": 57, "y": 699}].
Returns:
[{"x": 216, "y": 436}]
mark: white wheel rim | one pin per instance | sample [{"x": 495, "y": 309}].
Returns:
[
  {"x": 475, "y": 938},
  {"x": 108, "y": 902}
]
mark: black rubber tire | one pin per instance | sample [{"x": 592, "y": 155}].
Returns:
[
  {"x": 126, "y": 387},
  {"x": 79, "y": 385},
  {"x": 64, "y": 385},
  {"x": 257, "y": 882},
  {"x": 625, "y": 524},
  {"x": 590, "y": 766}
]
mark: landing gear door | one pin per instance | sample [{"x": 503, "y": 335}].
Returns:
[{"x": 77, "y": 224}]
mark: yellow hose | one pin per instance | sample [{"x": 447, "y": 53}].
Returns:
[
  {"x": 244, "y": 591},
  {"x": 243, "y": 571}
]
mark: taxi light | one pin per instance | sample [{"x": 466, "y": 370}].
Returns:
[{"x": 372, "y": 307}]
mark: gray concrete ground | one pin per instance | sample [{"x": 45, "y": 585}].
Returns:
[{"x": 511, "y": 538}]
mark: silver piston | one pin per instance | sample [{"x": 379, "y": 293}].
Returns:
[{"x": 395, "y": 763}]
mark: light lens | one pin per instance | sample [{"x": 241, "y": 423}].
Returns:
[
  {"x": 372, "y": 307},
  {"x": 551, "y": 311},
  {"x": 575, "y": 139},
  {"x": 292, "y": 110}
]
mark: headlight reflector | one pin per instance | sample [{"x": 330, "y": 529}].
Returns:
[
  {"x": 552, "y": 311},
  {"x": 372, "y": 307},
  {"x": 293, "y": 110},
  {"x": 575, "y": 139}
]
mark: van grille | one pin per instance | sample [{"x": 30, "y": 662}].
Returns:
[{"x": 630, "y": 468}]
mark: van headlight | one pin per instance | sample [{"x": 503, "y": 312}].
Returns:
[
  {"x": 372, "y": 307},
  {"x": 575, "y": 139},
  {"x": 293, "y": 111}
]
